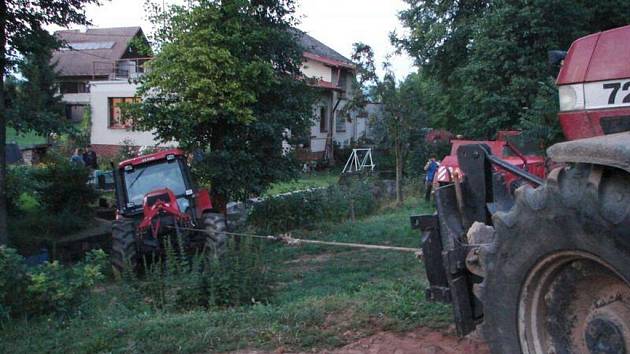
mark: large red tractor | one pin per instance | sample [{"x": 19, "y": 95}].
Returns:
[
  {"x": 156, "y": 198},
  {"x": 548, "y": 271}
]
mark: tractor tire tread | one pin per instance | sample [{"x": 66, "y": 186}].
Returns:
[{"x": 570, "y": 211}]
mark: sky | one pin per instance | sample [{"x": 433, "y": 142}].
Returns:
[{"x": 336, "y": 23}]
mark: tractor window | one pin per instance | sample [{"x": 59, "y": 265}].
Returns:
[
  {"x": 525, "y": 145},
  {"x": 145, "y": 179}
]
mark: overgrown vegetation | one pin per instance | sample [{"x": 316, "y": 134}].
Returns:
[
  {"x": 32, "y": 106},
  {"x": 310, "y": 207},
  {"x": 48, "y": 289},
  {"x": 47, "y": 202},
  {"x": 322, "y": 298},
  {"x": 180, "y": 282},
  {"x": 306, "y": 181}
]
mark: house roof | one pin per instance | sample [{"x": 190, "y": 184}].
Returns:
[
  {"x": 92, "y": 52},
  {"x": 317, "y": 50}
]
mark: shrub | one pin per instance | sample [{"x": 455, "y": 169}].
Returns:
[
  {"x": 13, "y": 283},
  {"x": 33, "y": 231},
  {"x": 306, "y": 208},
  {"x": 181, "y": 282},
  {"x": 413, "y": 186},
  {"x": 48, "y": 202},
  {"x": 127, "y": 151},
  {"x": 47, "y": 289},
  {"x": 20, "y": 180},
  {"x": 62, "y": 186}
]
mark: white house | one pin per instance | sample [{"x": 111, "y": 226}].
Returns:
[
  {"x": 334, "y": 74},
  {"x": 97, "y": 68}
]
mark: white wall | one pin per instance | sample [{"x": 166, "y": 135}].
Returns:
[
  {"x": 74, "y": 98},
  {"x": 100, "y": 92},
  {"x": 314, "y": 69}
]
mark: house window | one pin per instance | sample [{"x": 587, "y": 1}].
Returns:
[
  {"x": 116, "y": 119},
  {"x": 340, "y": 123},
  {"x": 75, "y": 112},
  {"x": 74, "y": 87},
  {"x": 323, "y": 120}
]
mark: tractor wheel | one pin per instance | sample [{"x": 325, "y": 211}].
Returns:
[
  {"x": 216, "y": 242},
  {"x": 124, "y": 251},
  {"x": 558, "y": 274}
]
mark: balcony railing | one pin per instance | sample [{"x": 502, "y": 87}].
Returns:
[{"x": 122, "y": 69}]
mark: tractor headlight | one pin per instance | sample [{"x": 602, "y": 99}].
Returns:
[{"x": 571, "y": 97}]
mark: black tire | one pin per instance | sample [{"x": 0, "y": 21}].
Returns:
[
  {"x": 558, "y": 274},
  {"x": 124, "y": 249},
  {"x": 216, "y": 241}
]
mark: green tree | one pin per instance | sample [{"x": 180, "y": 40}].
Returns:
[
  {"x": 400, "y": 127},
  {"x": 365, "y": 81},
  {"x": 226, "y": 79},
  {"x": 32, "y": 102},
  {"x": 20, "y": 22},
  {"x": 486, "y": 59}
]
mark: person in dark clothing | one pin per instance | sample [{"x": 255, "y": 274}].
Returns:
[
  {"x": 89, "y": 158},
  {"x": 431, "y": 168}
]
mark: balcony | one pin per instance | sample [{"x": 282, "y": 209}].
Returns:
[{"x": 122, "y": 69}]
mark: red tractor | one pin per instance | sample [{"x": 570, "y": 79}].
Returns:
[
  {"x": 511, "y": 147},
  {"x": 548, "y": 269},
  {"x": 155, "y": 197}
]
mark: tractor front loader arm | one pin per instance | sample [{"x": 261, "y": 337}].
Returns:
[{"x": 445, "y": 244}]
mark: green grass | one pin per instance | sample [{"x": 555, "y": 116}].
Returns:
[
  {"x": 306, "y": 181},
  {"x": 26, "y": 139},
  {"x": 324, "y": 297}
]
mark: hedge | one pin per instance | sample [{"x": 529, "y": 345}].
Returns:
[{"x": 306, "y": 208}]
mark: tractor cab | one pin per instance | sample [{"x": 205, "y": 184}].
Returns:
[
  {"x": 140, "y": 177},
  {"x": 156, "y": 199},
  {"x": 144, "y": 180}
]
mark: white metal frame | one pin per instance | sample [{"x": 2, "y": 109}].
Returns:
[{"x": 356, "y": 163}]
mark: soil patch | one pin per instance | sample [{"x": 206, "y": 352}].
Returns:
[{"x": 419, "y": 341}]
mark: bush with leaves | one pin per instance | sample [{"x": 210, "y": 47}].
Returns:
[
  {"x": 306, "y": 208},
  {"x": 20, "y": 180},
  {"x": 13, "y": 283},
  {"x": 62, "y": 187},
  {"x": 127, "y": 150},
  {"x": 62, "y": 202},
  {"x": 50, "y": 288}
]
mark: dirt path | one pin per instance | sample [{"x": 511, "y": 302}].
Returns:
[{"x": 419, "y": 341}]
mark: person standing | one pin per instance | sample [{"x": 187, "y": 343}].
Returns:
[
  {"x": 89, "y": 158},
  {"x": 77, "y": 158},
  {"x": 431, "y": 168}
]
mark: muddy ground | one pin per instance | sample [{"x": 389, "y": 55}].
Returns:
[{"x": 419, "y": 341}]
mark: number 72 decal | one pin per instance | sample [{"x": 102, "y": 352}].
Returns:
[{"x": 615, "y": 86}]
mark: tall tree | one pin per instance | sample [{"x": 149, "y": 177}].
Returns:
[
  {"x": 33, "y": 104},
  {"x": 399, "y": 129},
  {"x": 365, "y": 82},
  {"x": 487, "y": 59},
  {"x": 19, "y": 21},
  {"x": 226, "y": 79}
]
